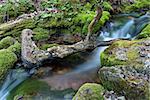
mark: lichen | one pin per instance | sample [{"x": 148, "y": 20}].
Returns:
[{"x": 90, "y": 91}]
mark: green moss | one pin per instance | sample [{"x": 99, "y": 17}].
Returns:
[
  {"x": 145, "y": 32},
  {"x": 28, "y": 89},
  {"x": 137, "y": 6},
  {"x": 6, "y": 42},
  {"x": 107, "y": 6},
  {"x": 86, "y": 17},
  {"x": 15, "y": 9},
  {"x": 46, "y": 46},
  {"x": 89, "y": 91},
  {"x": 16, "y": 48},
  {"x": 105, "y": 17},
  {"x": 7, "y": 60},
  {"x": 110, "y": 60},
  {"x": 132, "y": 55},
  {"x": 41, "y": 33},
  {"x": 16, "y": 29},
  {"x": 53, "y": 22},
  {"x": 109, "y": 57}
]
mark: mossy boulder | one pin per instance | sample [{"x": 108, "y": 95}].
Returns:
[
  {"x": 125, "y": 68},
  {"x": 145, "y": 33},
  {"x": 16, "y": 48},
  {"x": 90, "y": 91},
  {"x": 7, "y": 61},
  {"x": 125, "y": 81},
  {"x": 28, "y": 90},
  {"x": 6, "y": 42},
  {"x": 120, "y": 53}
]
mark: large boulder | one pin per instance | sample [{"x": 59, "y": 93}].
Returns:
[
  {"x": 126, "y": 68},
  {"x": 126, "y": 81},
  {"x": 90, "y": 91}
]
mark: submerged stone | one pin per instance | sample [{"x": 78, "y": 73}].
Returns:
[{"x": 28, "y": 90}]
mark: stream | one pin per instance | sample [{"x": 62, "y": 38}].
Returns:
[{"x": 122, "y": 26}]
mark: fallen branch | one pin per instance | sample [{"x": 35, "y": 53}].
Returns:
[{"x": 32, "y": 56}]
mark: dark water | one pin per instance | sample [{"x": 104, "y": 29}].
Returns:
[{"x": 121, "y": 27}]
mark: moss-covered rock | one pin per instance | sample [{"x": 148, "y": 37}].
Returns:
[
  {"x": 120, "y": 53},
  {"x": 125, "y": 68},
  {"x": 16, "y": 48},
  {"x": 145, "y": 33},
  {"x": 126, "y": 81},
  {"x": 6, "y": 42},
  {"x": 7, "y": 61},
  {"x": 90, "y": 91},
  {"x": 28, "y": 89}
]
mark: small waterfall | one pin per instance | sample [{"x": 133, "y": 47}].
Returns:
[
  {"x": 14, "y": 78},
  {"x": 94, "y": 61},
  {"x": 109, "y": 33}
]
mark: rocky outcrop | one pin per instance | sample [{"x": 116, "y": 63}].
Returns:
[{"x": 126, "y": 68}]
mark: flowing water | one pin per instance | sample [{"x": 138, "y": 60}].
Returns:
[{"x": 120, "y": 27}]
